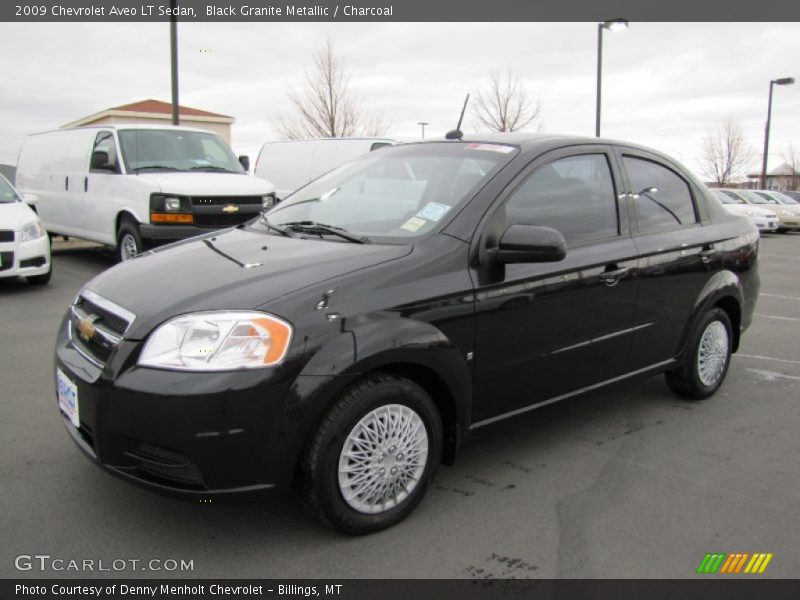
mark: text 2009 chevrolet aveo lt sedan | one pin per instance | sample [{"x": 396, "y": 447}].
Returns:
[{"x": 349, "y": 340}]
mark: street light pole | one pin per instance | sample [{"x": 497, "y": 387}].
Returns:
[
  {"x": 423, "y": 124},
  {"x": 173, "y": 44},
  {"x": 613, "y": 25},
  {"x": 782, "y": 81}
]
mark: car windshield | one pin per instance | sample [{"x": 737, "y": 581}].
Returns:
[
  {"x": 732, "y": 195},
  {"x": 7, "y": 193},
  {"x": 396, "y": 193},
  {"x": 725, "y": 199},
  {"x": 759, "y": 198},
  {"x": 783, "y": 198},
  {"x": 176, "y": 150}
]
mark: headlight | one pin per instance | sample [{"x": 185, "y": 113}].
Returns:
[
  {"x": 32, "y": 231},
  {"x": 785, "y": 212},
  {"x": 750, "y": 213},
  {"x": 172, "y": 204},
  {"x": 218, "y": 341},
  {"x": 268, "y": 201}
]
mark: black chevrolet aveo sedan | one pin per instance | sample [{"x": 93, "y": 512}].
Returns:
[{"x": 351, "y": 338}]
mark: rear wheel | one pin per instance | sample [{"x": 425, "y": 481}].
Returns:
[
  {"x": 373, "y": 456},
  {"x": 705, "y": 359},
  {"x": 129, "y": 241}
]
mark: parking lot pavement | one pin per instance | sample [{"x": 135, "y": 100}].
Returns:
[{"x": 627, "y": 482}]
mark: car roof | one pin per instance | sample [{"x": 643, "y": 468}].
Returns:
[{"x": 126, "y": 126}]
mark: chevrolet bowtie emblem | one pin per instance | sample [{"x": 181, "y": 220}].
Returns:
[
  {"x": 231, "y": 208},
  {"x": 86, "y": 328}
]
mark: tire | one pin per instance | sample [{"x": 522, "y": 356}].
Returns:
[
  {"x": 706, "y": 357},
  {"x": 129, "y": 241},
  {"x": 329, "y": 469},
  {"x": 42, "y": 279}
]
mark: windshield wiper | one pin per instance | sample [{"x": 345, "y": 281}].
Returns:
[
  {"x": 278, "y": 228},
  {"x": 320, "y": 229},
  {"x": 155, "y": 167},
  {"x": 211, "y": 168}
]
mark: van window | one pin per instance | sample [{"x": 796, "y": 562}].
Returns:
[
  {"x": 176, "y": 150},
  {"x": 104, "y": 142},
  {"x": 574, "y": 195}
]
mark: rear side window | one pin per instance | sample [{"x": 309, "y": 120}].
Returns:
[
  {"x": 663, "y": 198},
  {"x": 574, "y": 195}
]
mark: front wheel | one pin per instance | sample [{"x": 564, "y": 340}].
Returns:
[
  {"x": 373, "y": 456},
  {"x": 705, "y": 359},
  {"x": 129, "y": 241}
]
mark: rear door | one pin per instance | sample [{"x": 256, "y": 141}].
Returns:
[
  {"x": 678, "y": 253},
  {"x": 549, "y": 329}
]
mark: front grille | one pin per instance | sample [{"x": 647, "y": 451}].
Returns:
[
  {"x": 39, "y": 261},
  {"x": 221, "y": 220},
  {"x": 225, "y": 200},
  {"x": 6, "y": 260},
  {"x": 6, "y": 235},
  {"x": 165, "y": 465},
  {"x": 105, "y": 317},
  {"x": 95, "y": 328}
]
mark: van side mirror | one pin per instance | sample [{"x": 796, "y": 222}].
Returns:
[
  {"x": 30, "y": 199},
  {"x": 245, "y": 161},
  {"x": 529, "y": 244},
  {"x": 100, "y": 161}
]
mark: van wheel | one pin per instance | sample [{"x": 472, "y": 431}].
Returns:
[
  {"x": 705, "y": 359},
  {"x": 129, "y": 241},
  {"x": 373, "y": 456}
]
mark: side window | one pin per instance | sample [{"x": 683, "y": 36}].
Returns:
[
  {"x": 574, "y": 195},
  {"x": 663, "y": 198},
  {"x": 104, "y": 154}
]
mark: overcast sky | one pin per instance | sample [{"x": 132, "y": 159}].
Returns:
[{"x": 665, "y": 84}]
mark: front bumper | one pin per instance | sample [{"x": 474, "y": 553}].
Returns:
[
  {"x": 191, "y": 435},
  {"x": 25, "y": 259}
]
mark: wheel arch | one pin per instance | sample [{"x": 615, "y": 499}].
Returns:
[{"x": 723, "y": 290}]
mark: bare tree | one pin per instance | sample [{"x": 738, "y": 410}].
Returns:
[
  {"x": 726, "y": 155},
  {"x": 792, "y": 158},
  {"x": 505, "y": 105},
  {"x": 327, "y": 106}
]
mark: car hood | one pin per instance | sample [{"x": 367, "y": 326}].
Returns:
[
  {"x": 14, "y": 215},
  {"x": 200, "y": 183},
  {"x": 236, "y": 269}
]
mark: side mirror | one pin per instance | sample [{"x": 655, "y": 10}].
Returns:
[
  {"x": 100, "y": 161},
  {"x": 245, "y": 161},
  {"x": 529, "y": 244},
  {"x": 30, "y": 199}
]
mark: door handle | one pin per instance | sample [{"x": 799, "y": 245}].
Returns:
[
  {"x": 611, "y": 277},
  {"x": 85, "y": 184},
  {"x": 66, "y": 183},
  {"x": 707, "y": 253}
]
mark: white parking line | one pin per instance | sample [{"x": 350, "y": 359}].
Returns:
[
  {"x": 758, "y": 357},
  {"x": 776, "y": 317},
  {"x": 779, "y": 296},
  {"x": 772, "y": 375}
]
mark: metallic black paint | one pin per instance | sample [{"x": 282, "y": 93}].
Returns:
[{"x": 483, "y": 339}]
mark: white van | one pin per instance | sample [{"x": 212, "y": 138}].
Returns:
[
  {"x": 135, "y": 186},
  {"x": 292, "y": 164}
]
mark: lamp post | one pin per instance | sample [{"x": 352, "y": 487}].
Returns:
[
  {"x": 782, "y": 81},
  {"x": 423, "y": 124},
  {"x": 613, "y": 25},
  {"x": 173, "y": 46}
]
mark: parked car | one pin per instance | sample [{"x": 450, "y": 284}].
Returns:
[
  {"x": 763, "y": 218},
  {"x": 292, "y": 164},
  {"x": 356, "y": 334},
  {"x": 24, "y": 245},
  {"x": 793, "y": 195},
  {"x": 135, "y": 186},
  {"x": 787, "y": 209}
]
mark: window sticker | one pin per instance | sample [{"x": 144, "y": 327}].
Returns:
[
  {"x": 414, "y": 224},
  {"x": 433, "y": 211},
  {"x": 491, "y": 148}
]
